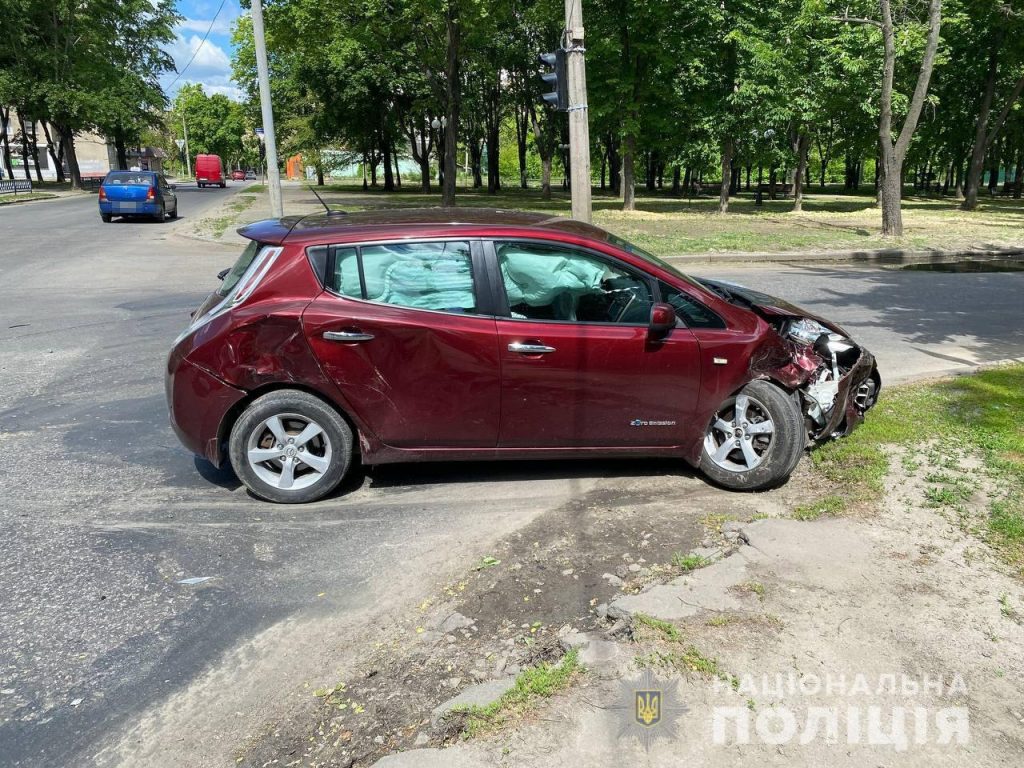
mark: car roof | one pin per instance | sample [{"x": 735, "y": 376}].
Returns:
[{"x": 340, "y": 227}]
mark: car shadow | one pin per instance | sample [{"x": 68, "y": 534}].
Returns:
[
  {"x": 411, "y": 476},
  {"x": 222, "y": 477}
]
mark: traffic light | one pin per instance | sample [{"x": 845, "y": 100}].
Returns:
[{"x": 557, "y": 79}]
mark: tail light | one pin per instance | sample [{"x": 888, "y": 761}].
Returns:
[
  {"x": 103, "y": 194},
  {"x": 151, "y": 194}
]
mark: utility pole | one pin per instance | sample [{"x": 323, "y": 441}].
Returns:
[
  {"x": 263, "y": 73},
  {"x": 579, "y": 127},
  {"x": 188, "y": 160}
]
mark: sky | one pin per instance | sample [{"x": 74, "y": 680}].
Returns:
[{"x": 212, "y": 64}]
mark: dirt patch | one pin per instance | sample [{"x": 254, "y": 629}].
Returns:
[
  {"x": 912, "y": 593},
  {"x": 505, "y": 615}
]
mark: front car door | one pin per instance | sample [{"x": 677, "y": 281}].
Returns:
[
  {"x": 400, "y": 331},
  {"x": 578, "y": 369}
]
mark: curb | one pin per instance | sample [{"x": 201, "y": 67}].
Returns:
[{"x": 882, "y": 256}]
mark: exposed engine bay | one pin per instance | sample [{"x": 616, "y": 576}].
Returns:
[{"x": 836, "y": 379}]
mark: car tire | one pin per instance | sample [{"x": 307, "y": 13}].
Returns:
[
  {"x": 267, "y": 456},
  {"x": 106, "y": 217},
  {"x": 223, "y": 184},
  {"x": 174, "y": 213},
  {"x": 755, "y": 439},
  {"x": 160, "y": 215}
]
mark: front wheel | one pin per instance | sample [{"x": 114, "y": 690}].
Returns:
[
  {"x": 290, "y": 447},
  {"x": 755, "y": 440}
]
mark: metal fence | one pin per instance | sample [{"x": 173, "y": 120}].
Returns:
[{"x": 15, "y": 186}]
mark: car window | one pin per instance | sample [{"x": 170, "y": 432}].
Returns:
[
  {"x": 689, "y": 310},
  {"x": 436, "y": 276},
  {"x": 128, "y": 178},
  {"x": 563, "y": 284}
]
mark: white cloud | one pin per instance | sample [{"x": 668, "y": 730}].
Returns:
[
  {"x": 211, "y": 66},
  {"x": 210, "y": 58},
  {"x": 222, "y": 26}
]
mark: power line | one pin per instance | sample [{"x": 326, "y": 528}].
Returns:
[{"x": 199, "y": 47}]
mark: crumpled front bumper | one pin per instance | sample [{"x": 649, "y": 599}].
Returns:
[{"x": 848, "y": 411}]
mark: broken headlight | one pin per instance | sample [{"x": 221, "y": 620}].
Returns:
[{"x": 806, "y": 331}]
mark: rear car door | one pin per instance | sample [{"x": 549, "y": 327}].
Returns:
[
  {"x": 401, "y": 331},
  {"x": 578, "y": 369}
]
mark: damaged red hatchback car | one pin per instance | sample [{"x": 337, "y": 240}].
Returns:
[{"x": 439, "y": 335}]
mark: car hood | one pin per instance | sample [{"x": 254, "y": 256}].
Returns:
[{"x": 764, "y": 304}]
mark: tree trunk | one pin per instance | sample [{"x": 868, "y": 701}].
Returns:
[
  {"x": 121, "y": 150},
  {"x": 545, "y": 178},
  {"x": 890, "y": 193},
  {"x": 614, "y": 168},
  {"x": 33, "y": 147},
  {"x": 476, "y": 160},
  {"x": 319, "y": 174},
  {"x": 628, "y": 181},
  {"x": 5, "y": 120},
  {"x": 1018, "y": 175},
  {"x": 976, "y": 167},
  {"x": 68, "y": 139},
  {"x": 723, "y": 192},
  {"x": 385, "y": 153},
  {"x": 521, "y": 129},
  {"x": 676, "y": 171},
  {"x": 803, "y": 143},
  {"x": 493, "y": 167},
  {"x": 453, "y": 93},
  {"x": 56, "y": 153}
]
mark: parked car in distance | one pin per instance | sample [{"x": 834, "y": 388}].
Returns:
[
  {"x": 137, "y": 194},
  {"x": 250, "y": 174},
  {"x": 238, "y": 175},
  {"x": 210, "y": 171},
  {"x": 432, "y": 335}
]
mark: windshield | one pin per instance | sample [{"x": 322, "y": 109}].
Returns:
[
  {"x": 235, "y": 274},
  {"x": 648, "y": 256},
  {"x": 126, "y": 179}
]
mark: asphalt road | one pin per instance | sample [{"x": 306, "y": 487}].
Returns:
[{"x": 105, "y": 658}]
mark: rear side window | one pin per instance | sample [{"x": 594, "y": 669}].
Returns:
[
  {"x": 128, "y": 178},
  {"x": 231, "y": 278},
  {"x": 688, "y": 309},
  {"x": 434, "y": 276}
]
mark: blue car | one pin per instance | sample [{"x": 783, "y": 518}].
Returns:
[{"x": 137, "y": 193}]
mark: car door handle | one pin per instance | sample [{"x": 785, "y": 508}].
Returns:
[
  {"x": 347, "y": 336},
  {"x": 530, "y": 349}
]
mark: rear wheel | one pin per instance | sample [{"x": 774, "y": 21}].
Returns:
[
  {"x": 174, "y": 213},
  {"x": 106, "y": 217},
  {"x": 161, "y": 214},
  {"x": 290, "y": 447},
  {"x": 755, "y": 440}
]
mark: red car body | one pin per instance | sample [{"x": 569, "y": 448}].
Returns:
[
  {"x": 210, "y": 171},
  {"x": 445, "y": 386},
  {"x": 238, "y": 175}
]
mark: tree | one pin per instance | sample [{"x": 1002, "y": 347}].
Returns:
[{"x": 893, "y": 152}]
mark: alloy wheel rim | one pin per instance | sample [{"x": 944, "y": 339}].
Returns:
[
  {"x": 289, "y": 451},
  {"x": 740, "y": 435}
]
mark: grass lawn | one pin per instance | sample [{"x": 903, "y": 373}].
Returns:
[
  {"x": 938, "y": 425},
  {"x": 670, "y": 226},
  {"x": 24, "y": 197}
]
